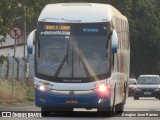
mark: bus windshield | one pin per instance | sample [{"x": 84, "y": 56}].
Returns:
[{"x": 72, "y": 50}]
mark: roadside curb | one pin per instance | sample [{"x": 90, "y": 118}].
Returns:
[{"x": 16, "y": 103}]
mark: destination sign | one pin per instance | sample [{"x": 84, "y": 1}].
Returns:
[
  {"x": 73, "y": 29},
  {"x": 55, "y": 33},
  {"x": 57, "y": 27}
]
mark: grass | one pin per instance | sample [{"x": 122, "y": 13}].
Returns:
[{"x": 22, "y": 91}]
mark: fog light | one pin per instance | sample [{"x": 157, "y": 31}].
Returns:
[
  {"x": 42, "y": 100},
  {"x": 100, "y": 100}
]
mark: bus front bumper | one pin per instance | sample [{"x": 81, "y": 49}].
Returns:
[{"x": 47, "y": 99}]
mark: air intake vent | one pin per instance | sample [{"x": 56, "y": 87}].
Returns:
[{"x": 76, "y": 4}]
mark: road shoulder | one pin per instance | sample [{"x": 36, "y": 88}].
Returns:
[{"x": 15, "y": 103}]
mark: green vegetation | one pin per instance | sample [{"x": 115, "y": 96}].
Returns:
[
  {"x": 143, "y": 16},
  {"x": 3, "y": 59},
  {"x": 21, "y": 92}
]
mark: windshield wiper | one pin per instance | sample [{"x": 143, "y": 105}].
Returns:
[
  {"x": 84, "y": 66},
  {"x": 60, "y": 66}
]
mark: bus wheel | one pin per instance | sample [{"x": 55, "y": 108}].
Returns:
[
  {"x": 119, "y": 108},
  {"x": 107, "y": 112},
  {"x": 45, "y": 112}
]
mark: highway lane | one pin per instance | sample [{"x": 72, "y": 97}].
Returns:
[{"x": 144, "y": 104}]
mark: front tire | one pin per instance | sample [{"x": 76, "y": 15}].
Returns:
[
  {"x": 119, "y": 108},
  {"x": 106, "y": 112},
  {"x": 136, "y": 97},
  {"x": 45, "y": 111}
]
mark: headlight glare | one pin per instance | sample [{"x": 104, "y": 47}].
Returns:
[{"x": 42, "y": 88}]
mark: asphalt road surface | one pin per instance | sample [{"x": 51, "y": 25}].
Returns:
[{"x": 143, "y": 106}]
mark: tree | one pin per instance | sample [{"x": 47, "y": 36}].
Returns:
[
  {"x": 144, "y": 37},
  {"x": 14, "y": 12}
]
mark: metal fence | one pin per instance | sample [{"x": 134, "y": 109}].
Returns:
[{"x": 23, "y": 68}]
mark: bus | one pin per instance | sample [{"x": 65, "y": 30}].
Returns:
[{"x": 82, "y": 58}]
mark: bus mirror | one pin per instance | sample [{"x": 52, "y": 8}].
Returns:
[
  {"x": 30, "y": 40},
  {"x": 114, "y": 40}
]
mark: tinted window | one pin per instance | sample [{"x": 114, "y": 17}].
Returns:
[
  {"x": 132, "y": 81},
  {"x": 148, "y": 80}
]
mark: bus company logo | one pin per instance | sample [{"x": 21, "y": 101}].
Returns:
[
  {"x": 72, "y": 81},
  {"x": 71, "y": 93}
]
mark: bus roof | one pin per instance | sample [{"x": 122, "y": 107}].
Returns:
[{"x": 78, "y": 13}]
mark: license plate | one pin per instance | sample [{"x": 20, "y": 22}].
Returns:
[
  {"x": 147, "y": 93},
  {"x": 71, "y": 101}
]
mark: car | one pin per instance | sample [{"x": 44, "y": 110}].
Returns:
[
  {"x": 147, "y": 86},
  {"x": 131, "y": 86}
]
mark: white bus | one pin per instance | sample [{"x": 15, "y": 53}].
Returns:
[{"x": 82, "y": 58}]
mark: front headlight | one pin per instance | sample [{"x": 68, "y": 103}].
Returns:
[
  {"x": 43, "y": 88},
  {"x": 137, "y": 89},
  {"x": 103, "y": 90}
]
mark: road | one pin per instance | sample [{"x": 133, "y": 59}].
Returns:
[{"x": 132, "y": 107}]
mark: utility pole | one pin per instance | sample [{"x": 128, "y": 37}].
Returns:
[{"x": 24, "y": 31}]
